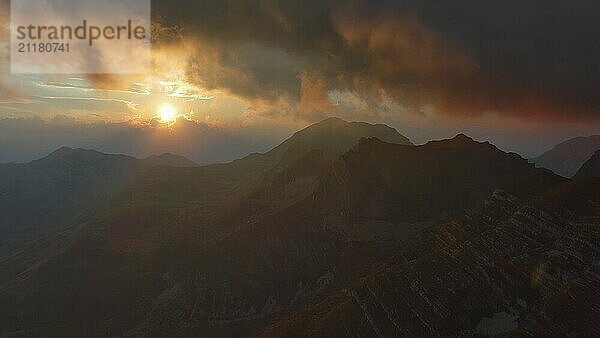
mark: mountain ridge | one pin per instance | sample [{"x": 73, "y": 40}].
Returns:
[
  {"x": 456, "y": 277},
  {"x": 314, "y": 227},
  {"x": 55, "y": 184},
  {"x": 64, "y": 152},
  {"x": 567, "y": 157},
  {"x": 332, "y": 135}
]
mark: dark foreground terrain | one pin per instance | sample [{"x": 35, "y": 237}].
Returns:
[{"x": 345, "y": 229}]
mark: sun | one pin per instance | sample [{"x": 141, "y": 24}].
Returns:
[{"x": 167, "y": 114}]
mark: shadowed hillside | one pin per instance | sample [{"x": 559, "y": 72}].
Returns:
[
  {"x": 65, "y": 187},
  {"x": 514, "y": 267},
  {"x": 335, "y": 232}
]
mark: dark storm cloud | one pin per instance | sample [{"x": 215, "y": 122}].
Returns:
[{"x": 531, "y": 58}]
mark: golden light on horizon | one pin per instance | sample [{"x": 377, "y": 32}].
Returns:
[{"x": 167, "y": 114}]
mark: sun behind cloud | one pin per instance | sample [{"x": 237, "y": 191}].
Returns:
[{"x": 167, "y": 114}]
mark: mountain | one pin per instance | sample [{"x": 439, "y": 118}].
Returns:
[
  {"x": 64, "y": 188},
  {"x": 567, "y": 157},
  {"x": 159, "y": 212},
  {"x": 296, "y": 166},
  {"x": 361, "y": 237},
  {"x": 411, "y": 184},
  {"x": 591, "y": 168},
  {"x": 208, "y": 251},
  {"x": 334, "y": 137},
  {"x": 170, "y": 160},
  {"x": 217, "y": 196},
  {"x": 513, "y": 268}
]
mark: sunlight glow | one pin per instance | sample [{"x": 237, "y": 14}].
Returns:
[{"x": 167, "y": 114}]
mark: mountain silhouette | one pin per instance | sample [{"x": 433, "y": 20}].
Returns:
[
  {"x": 170, "y": 160},
  {"x": 343, "y": 229},
  {"x": 591, "y": 168},
  {"x": 334, "y": 137},
  {"x": 58, "y": 189},
  {"x": 224, "y": 193},
  {"x": 567, "y": 157},
  {"x": 408, "y": 183}
]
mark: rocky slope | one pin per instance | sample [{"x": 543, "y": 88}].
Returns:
[
  {"x": 515, "y": 267},
  {"x": 313, "y": 240}
]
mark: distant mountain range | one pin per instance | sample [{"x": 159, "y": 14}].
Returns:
[
  {"x": 567, "y": 157},
  {"x": 345, "y": 229},
  {"x": 58, "y": 189}
]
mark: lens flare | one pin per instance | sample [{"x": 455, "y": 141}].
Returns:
[{"x": 167, "y": 114}]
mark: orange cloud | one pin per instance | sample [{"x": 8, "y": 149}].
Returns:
[{"x": 314, "y": 101}]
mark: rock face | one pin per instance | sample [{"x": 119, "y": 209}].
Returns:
[
  {"x": 533, "y": 266},
  {"x": 320, "y": 239},
  {"x": 591, "y": 168},
  {"x": 566, "y": 158}
]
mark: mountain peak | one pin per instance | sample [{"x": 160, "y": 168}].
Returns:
[
  {"x": 64, "y": 152},
  {"x": 171, "y": 160},
  {"x": 332, "y": 128},
  {"x": 334, "y": 137},
  {"x": 61, "y": 151},
  {"x": 332, "y": 120},
  {"x": 463, "y": 137},
  {"x": 458, "y": 140},
  {"x": 64, "y": 155}
]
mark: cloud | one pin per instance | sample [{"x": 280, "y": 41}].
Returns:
[
  {"x": 314, "y": 100},
  {"x": 4, "y": 20},
  {"x": 465, "y": 58},
  {"x": 7, "y": 91}
]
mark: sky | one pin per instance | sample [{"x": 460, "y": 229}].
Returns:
[{"x": 232, "y": 77}]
